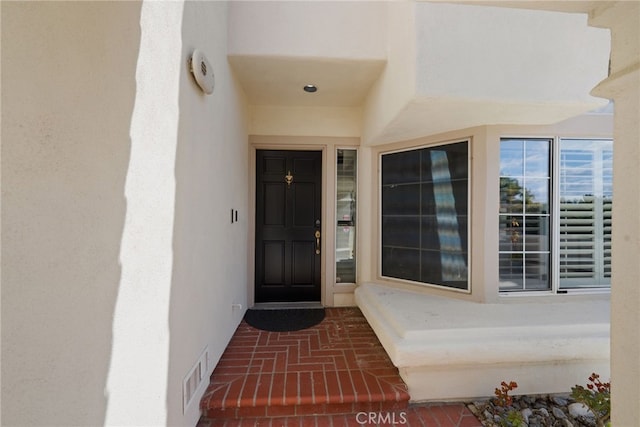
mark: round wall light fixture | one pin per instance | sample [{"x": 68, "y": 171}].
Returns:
[
  {"x": 310, "y": 88},
  {"x": 202, "y": 71}
]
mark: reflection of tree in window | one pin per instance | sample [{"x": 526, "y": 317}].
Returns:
[
  {"x": 524, "y": 214},
  {"x": 512, "y": 194}
]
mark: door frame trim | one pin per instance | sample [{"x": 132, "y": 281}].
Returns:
[{"x": 254, "y": 146}]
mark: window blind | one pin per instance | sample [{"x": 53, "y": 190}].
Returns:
[{"x": 585, "y": 213}]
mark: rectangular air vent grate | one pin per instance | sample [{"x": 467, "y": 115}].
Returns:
[{"x": 194, "y": 379}]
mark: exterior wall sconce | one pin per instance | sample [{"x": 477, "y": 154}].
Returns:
[{"x": 202, "y": 71}]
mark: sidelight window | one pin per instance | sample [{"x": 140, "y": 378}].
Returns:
[{"x": 346, "y": 190}]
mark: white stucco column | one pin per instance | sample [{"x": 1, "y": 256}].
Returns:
[{"x": 623, "y": 87}]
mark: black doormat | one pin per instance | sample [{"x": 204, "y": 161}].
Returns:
[{"x": 284, "y": 320}]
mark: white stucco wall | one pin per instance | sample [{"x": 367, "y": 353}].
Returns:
[
  {"x": 210, "y": 253},
  {"x": 118, "y": 177},
  {"x": 68, "y": 94},
  {"x": 454, "y": 66},
  {"x": 623, "y": 87},
  {"x": 333, "y": 29},
  {"x": 140, "y": 342},
  {"x": 508, "y": 55},
  {"x": 306, "y": 121},
  {"x": 396, "y": 86}
]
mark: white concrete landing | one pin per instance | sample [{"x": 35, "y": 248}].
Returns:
[{"x": 450, "y": 349}]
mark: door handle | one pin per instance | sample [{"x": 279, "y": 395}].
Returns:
[{"x": 317, "y": 235}]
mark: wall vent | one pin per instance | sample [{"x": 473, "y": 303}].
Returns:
[{"x": 194, "y": 380}]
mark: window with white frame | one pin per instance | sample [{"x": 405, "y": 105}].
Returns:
[
  {"x": 525, "y": 179},
  {"x": 424, "y": 221},
  {"x": 585, "y": 198},
  {"x": 346, "y": 194},
  {"x": 555, "y": 214}
]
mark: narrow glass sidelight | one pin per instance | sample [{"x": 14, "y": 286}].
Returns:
[{"x": 346, "y": 189}]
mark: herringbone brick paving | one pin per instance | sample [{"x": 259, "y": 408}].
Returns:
[{"x": 335, "y": 373}]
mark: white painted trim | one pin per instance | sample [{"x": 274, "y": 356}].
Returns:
[{"x": 554, "y": 199}]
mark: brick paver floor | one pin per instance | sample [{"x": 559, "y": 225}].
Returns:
[{"x": 333, "y": 374}]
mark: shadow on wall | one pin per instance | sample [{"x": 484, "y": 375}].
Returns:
[{"x": 68, "y": 88}]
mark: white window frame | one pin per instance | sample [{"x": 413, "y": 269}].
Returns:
[
  {"x": 552, "y": 222},
  {"x": 554, "y": 241},
  {"x": 556, "y": 212}
]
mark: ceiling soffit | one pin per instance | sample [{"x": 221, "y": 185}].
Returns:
[{"x": 279, "y": 81}]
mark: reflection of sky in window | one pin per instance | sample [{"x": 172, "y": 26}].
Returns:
[
  {"x": 524, "y": 157},
  {"x": 527, "y": 163},
  {"x": 579, "y": 161},
  {"x": 537, "y": 158},
  {"x": 586, "y": 145},
  {"x": 607, "y": 170},
  {"x": 511, "y": 158}
]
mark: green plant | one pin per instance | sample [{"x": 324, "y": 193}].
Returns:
[
  {"x": 512, "y": 417},
  {"x": 597, "y": 397}
]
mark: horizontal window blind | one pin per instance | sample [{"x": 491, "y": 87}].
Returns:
[{"x": 585, "y": 213}]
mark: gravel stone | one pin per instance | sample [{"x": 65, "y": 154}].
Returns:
[
  {"x": 539, "y": 404},
  {"x": 559, "y": 400},
  {"x": 537, "y": 411},
  {"x": 577, "y": 410},
  {"x": 535, "y": 422},
  {"x": 558, "y": 413},
  {"x": 479, "y": 404}
]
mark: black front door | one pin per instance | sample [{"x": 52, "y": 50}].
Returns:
[{"x": 288, "y": 232}]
